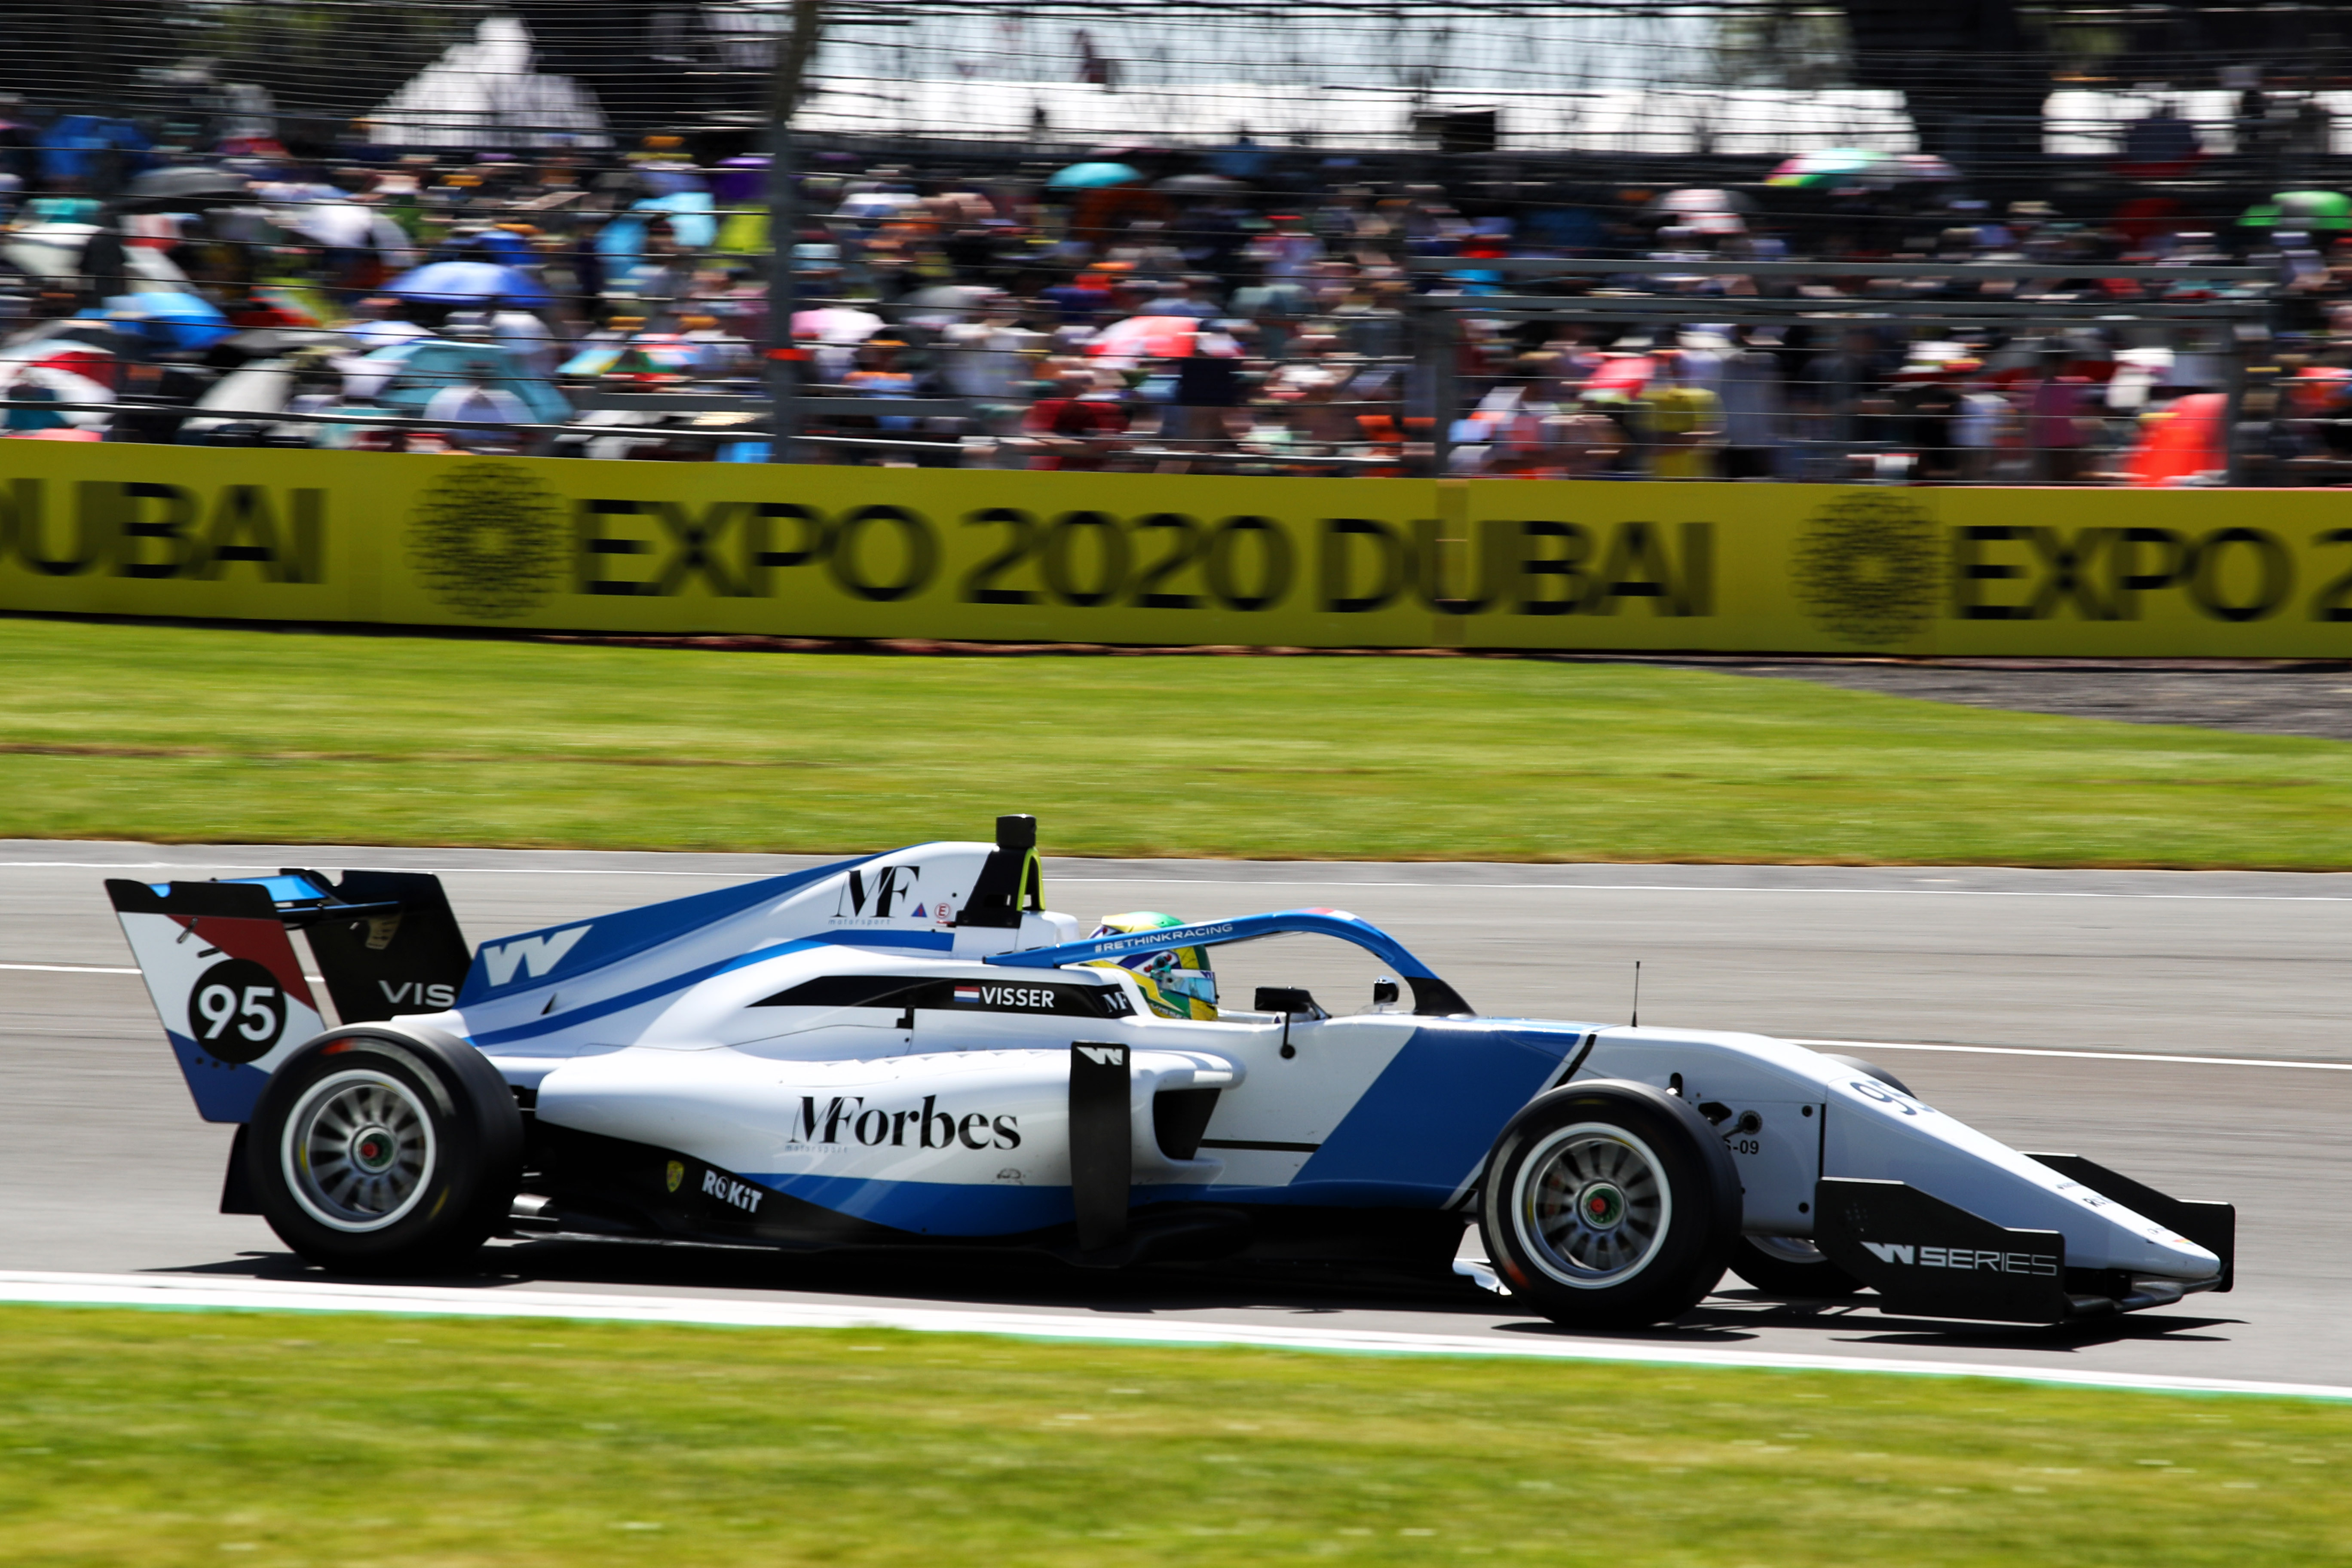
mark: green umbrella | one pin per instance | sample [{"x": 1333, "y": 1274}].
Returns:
[{"x": 2313, "y": 209}]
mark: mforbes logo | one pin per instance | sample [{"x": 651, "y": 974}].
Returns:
[
  {"x": 1970, "y": 1258},
  {"x": 847, "y": 1119}
]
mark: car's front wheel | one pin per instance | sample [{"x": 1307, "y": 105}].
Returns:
[
  {"x": 1610, "y": 1204},
  {"x": 1792, "y": 1268},
  {"x": 385, "y": 1149}
]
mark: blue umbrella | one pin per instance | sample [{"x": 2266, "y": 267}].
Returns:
[
  {"x": 430, "y": 364},
  {"x": 174, "y": 321},
  {"x": 471, "y": 283},
  {"x": 1092, "y": 176},
  {"x": 690, "y": 219}
]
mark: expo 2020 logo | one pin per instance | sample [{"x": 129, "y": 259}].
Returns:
[
  {"x": 488, "y": 540},
  {"x": 1869, "y": 569}
]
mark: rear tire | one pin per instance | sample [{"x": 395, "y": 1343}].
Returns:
[
  {"x": 385, "y": 1149},
  {"x": 1610, "y": 1206}
]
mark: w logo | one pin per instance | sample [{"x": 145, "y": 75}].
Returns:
[{"x": 538, "y": 954}]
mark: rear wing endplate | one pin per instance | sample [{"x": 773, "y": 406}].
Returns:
[{"x": 221, "y": 968}]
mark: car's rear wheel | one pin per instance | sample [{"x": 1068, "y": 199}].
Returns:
[
  {"x": 385, "y": 1150},
  {"x": 1791, "y": 1267},
  {"x": 1610, "y": 1206}
]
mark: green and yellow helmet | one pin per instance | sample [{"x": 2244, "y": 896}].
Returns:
[{"x": 1178, "y": 983}]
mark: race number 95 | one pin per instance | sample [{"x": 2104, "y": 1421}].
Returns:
[{"x": 237, "y": 1011}]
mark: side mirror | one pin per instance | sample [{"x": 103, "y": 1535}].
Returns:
[
  {"x": 1384, "y": 992},
  {"x": 1285, "y": 999}
]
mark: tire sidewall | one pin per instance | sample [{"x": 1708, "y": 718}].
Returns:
[
  {"x": 478, "y": 1147},
  {"x": 1702, "y": 1187},
  {"x": 1785, "y": 1276}
]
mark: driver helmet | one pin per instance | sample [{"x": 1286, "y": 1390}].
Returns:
[{"x": 1177, "y": 983}]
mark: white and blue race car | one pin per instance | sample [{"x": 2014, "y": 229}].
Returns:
[{"x": 909, "y": 1050}]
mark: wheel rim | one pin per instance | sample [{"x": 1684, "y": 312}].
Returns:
[
  {"x": 1592, "y": 1205},
  {"x": 358, "y": 1150},
  {"x": 1788, "y": 1248}
]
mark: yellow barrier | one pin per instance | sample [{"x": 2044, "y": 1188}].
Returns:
[{"x": 1137, "y": 558}]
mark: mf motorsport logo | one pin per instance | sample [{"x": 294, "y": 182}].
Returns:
[
  {"x": 1870, "y": 569},
  {"x": 874, "y": 899},
  {"x": 488, "y": 541}
]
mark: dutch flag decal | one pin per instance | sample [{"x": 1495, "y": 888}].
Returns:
[{"x": 966, "y": 994}]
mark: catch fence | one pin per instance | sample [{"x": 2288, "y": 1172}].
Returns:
[{"x": 1405, "y": 237}]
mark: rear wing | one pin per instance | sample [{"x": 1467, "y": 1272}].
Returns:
[{"x": 220, "y": 965}]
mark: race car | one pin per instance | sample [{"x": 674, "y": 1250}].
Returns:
[{"x": 909, "y": 1050}]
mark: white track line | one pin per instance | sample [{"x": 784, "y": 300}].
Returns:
[
  {"x": 1335, "y": 884},
  {"x": 2079, "y": 1055},
  {"x": 1320, "y": 882},
  {"x": 99, "y": 969},
  {"x": 184, "y": 1292}
]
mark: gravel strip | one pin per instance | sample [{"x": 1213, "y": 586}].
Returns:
[{"x": 2313, "y": 698}]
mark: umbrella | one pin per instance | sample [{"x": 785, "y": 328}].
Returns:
[
  {"x": 469, "y": 283},
  {"x": 689, "y": 213},
  {"x": 321, "y": 213},
  {"x": 691, "y": 223},
  {"x": 268, "y": 343},
  {"x": 944, "y": 303},
  {"x": 1623, "y": 375},
  {"x": 1853, "y": 166},
  {"x": 2182, "y": 443},
  {"x": 423, "y": 368},
  {"x": 1698, "y": 202},
  {"x": 174, "y": 321},
  {"x": 48, "y": 249},
  {"x": 2311, "y": 209},
  {"x": 1197, "y": 185},
  {"x": 187, "y": 182},
  {"x": 1092, "y": 176},
  {"x": 835, "y": 324},
  {"x": 1147, "y": 337}
]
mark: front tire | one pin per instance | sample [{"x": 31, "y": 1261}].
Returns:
[
  {"x": 1610, "y": 1206},
  {"x": 1790, "y": 1268},
  {"x": 385, "y": 1149}
]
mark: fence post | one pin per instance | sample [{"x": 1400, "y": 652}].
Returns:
[
  {"x": 794, "y": 52},
  {"x": 2243, "y": 338},
  {"x": 1439, "y": 360}
]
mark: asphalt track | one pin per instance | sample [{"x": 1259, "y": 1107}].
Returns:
[{"x": 2186, "y": 1027}]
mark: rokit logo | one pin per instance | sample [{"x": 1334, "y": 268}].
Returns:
[
  {"x": 884, "y": 894},
  {"x": 1964, "y": 1258},
  {"x": 735, "y": 1193},
  {"x": 847, "y": 1119}
]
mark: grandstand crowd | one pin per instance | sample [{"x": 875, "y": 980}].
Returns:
[{"x": 1155, "y": 310}]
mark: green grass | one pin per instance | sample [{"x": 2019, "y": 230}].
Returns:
[
  {"x": 179, "y": 733},
  {"x": 133, "y": 1439}
]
